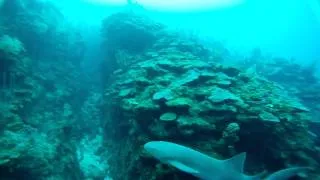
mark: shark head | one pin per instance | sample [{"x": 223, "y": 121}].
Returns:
[
  {"x": 163, "y": 151},
  {"x": 156, "y": 149}
]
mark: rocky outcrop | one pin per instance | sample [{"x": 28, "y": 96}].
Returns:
[
  {"x": 38, "y": 74},
  {"x": 172, "y": 93}
]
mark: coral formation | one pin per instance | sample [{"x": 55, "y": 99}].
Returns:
[
  {"x": 206, "y": 104},
  {"x": 38, "y": 72},
  {"x": 157, "y": 84},
  {"x": 10, "y": 46}
]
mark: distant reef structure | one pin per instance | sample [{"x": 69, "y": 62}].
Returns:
[
  {"x": 301, "y": 81},
  {"x": 165, "y": 86},
  {"x": 39, "y": 77}
]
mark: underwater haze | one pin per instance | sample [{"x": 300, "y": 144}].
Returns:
[
  {"x": 159, "y": 89},
  {"x": 282, "y": 28}
]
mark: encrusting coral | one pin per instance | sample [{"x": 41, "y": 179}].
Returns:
[{"x": 209, "y": 106}]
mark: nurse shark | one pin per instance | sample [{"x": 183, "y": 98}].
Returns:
[{"x": 207, "y": 168}]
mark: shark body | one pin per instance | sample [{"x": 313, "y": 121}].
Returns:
[{"x": 207, "y": 168}]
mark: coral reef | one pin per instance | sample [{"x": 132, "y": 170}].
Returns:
[
  {"x": 126, "y": 39},
  {"x": 171, "y": 92},
  {"x": 39, "y": 77},
  {"x": 93, "y": 162},
  {"x": 157, "y": 84},
  {"x": 299, "y": 80}
]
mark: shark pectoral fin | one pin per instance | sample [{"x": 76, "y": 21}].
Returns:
[
  {"x": 183, "y": 167},
  {"x": 237, "y": 161},
  {"x": 285, "y": 174}
]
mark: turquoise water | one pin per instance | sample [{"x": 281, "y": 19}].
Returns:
[
  {"x": 283, "y": 28},
  {"x": 141, "y": 89}
]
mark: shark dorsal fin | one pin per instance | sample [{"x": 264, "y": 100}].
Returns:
[
  {"x": 183, "y": 167},
  {"x": 237, "y": 162}
]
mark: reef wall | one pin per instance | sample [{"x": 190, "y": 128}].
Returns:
[
  {"x": 174, "y": 89},
  {"x": 158, "y": 84},
  {"x": 39, "y": 76}
]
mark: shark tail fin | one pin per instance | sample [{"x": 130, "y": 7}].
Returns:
[{"x": 285, "y": 174}]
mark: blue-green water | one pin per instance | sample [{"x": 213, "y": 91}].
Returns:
[{"x": 89, "y": 89}]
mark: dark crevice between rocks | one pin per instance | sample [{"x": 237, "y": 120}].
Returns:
[{"x": 9, "y": 173}]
